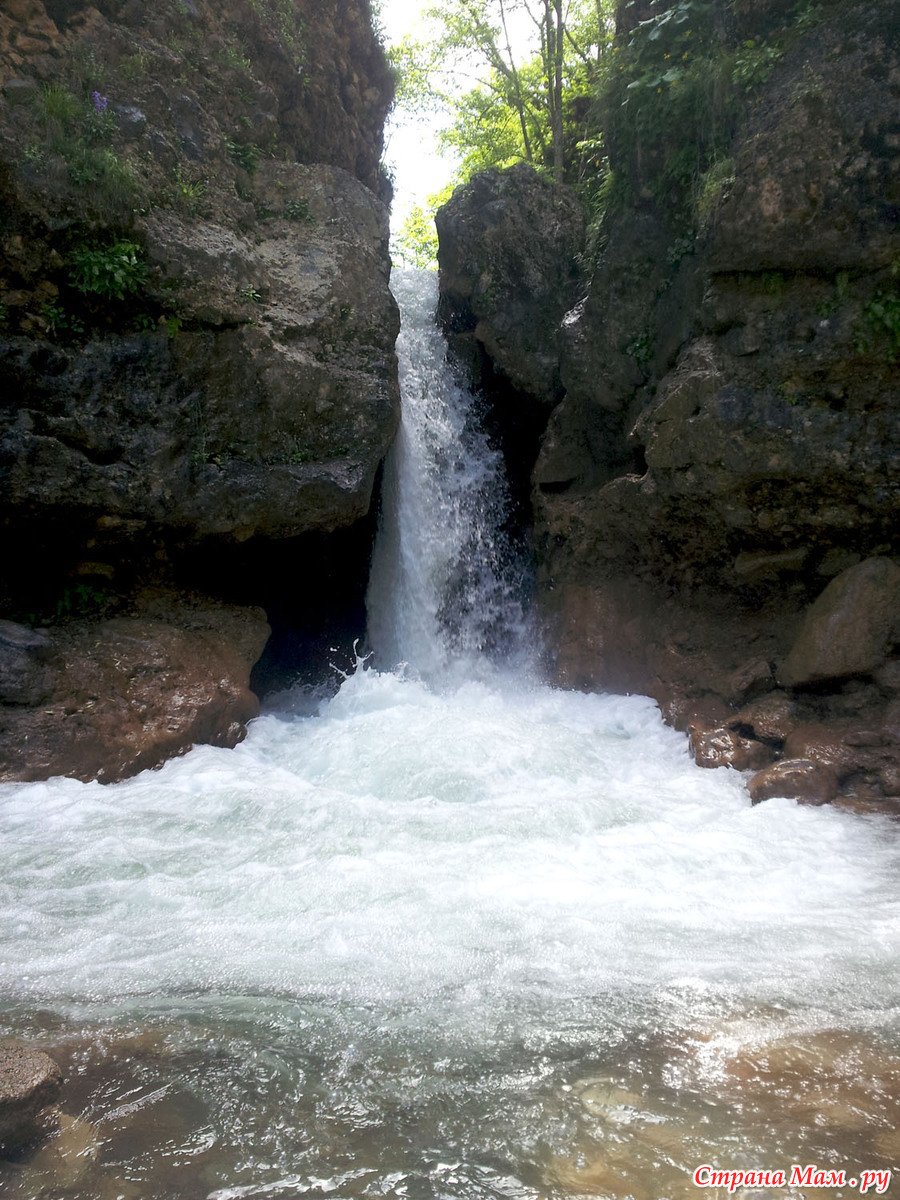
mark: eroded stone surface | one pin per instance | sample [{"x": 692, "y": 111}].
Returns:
[{"x": 30, "y": 1081}]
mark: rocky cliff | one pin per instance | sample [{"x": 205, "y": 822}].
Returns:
[
  {"x": 197, "y": 370},
  {"x": 715, "y": 493}
]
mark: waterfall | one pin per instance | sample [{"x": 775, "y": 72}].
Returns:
[
  {"x": 447, "y": 584},
  {"x": 455, "y": 934}
]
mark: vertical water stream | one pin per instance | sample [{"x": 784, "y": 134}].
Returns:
[{"x": 446, "y": 590}]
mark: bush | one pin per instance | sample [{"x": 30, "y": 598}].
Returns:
[{"x": 113, "y": 272}]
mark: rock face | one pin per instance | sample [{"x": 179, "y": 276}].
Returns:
[
  {"x": 30, "y": 1082},
  {"x": 725, "y": 449},
  {"x": 196, "y": 355},
  {"x": 262, "y": 416}
]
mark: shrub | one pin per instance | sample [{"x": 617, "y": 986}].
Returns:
[
  {"x": 298, "y": 210},
  {"x": 245, "y": 155},
  {"x": 113, "y": 272}
]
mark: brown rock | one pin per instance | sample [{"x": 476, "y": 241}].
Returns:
[
  {"x": 723, "y": 747},
  {"x": 771, "y": 718},
  {"x": 749, "y": 680},
  {"x": 134, "y": 691},
  {"x": 849, "y": 628},
  {"x": 796, "y": 778},
  {"x": 29, "y": 1082},
  {"x": 824, "y": 742}
]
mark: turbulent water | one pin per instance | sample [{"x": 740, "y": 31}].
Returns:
[{"x": 457, "y": 934}]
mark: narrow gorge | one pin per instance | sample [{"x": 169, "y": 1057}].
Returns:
[{"x": 368, "y": 634}]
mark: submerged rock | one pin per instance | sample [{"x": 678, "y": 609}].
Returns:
[{"x": 30, "y": 1081}]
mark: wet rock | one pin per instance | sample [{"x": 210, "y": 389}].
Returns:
[
  {"x": 65, "y": 1158},
  {"x": 508, "y": 247},
  {"x": 724, "y": 747},
  {"x": 133, "y": 691},
  {"x": 797, "y": 779},
  {"x": 825, "y": 742},
  {"x": 30, "y": 1081},
  {"x": 749, "y": 680},
  {"x": 849, "y": 628},
  {"x": 25, "y": 677},
  {"x": 771, "y": 718}
]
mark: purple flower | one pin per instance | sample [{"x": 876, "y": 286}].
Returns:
[{"x": 100, "y": 103}]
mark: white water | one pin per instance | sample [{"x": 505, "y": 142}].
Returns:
[{"x": 449, "y": 855}]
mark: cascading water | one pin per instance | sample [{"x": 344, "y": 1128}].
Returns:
[
  {"x": 446, "y": 585},
  {"x": 456, "y": 935}
]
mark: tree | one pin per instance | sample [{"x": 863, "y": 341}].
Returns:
[
  {"x": 416, "y": 244},
  {"x": 511, "y": 101}
]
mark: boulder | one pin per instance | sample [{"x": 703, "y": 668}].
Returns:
[
  {"x": 724, "y": 747},
  {"x": 849, "y": 628},
  {"x": 30, "y": 1081},
  {"x": 797, "y": 779},
  {"x": 509, "y": 242},
  {"x": 136, "y": 690}
]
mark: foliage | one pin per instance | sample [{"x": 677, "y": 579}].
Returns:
[
  {"x": 882, "y": 315},
  {"x": 83, "y": 601},
  {"x": 298, "y": 210},
  {"x": 75, "y": 133},
  {"x": 112, "y": 272},
  {"x": 641, "y": 350},
  {"x": 754, "y": 62},
  {"x": 190, "y": 191},
  {"x": 250, "y": 295},
  {"x": 245, "y": 155},
  {"x": 416, "y": 243},
  {"x": 281, "y": 15},
  {"x": 234, "y": 59},
  {"x": 60, "y": 322},
  {"x": 508, "y": 107},
  {"x": 711, "y": 186}
]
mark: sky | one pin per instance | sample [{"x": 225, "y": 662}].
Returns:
[{"x": 411, "y": 143}]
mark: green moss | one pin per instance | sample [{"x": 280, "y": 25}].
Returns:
[{"x": 711, "y": 187}]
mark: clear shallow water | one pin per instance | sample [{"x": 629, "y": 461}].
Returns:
[{"x": 452, "y": 934}]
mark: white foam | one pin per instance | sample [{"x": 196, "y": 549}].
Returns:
[{"x": 491, "y": 846}]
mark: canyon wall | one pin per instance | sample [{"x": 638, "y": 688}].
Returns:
[
  {"x": 715, "y": 493},
  {"x": 197, "y": 363}
]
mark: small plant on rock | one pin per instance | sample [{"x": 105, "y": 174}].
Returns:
[
  {"x": 245, "y": 155},
  {"x": 112, "y": 272}
]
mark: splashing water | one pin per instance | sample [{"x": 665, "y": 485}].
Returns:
[{"x": 456, "y": 935}]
